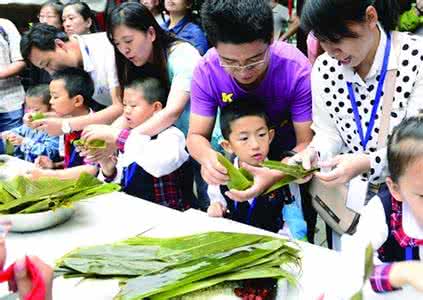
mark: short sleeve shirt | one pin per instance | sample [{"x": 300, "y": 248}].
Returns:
[
  {"x": 98, "y": 56},
  {"x": 284, "y": 90},
  {"x": 12, "y": 93}
]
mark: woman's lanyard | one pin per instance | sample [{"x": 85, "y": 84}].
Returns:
[
  {"x": 365, "y": 138},
  {"x": 129, "y": 174},
  {"x": 250, "y": 210}
]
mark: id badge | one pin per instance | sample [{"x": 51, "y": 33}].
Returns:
[{"x": 357, "y": 193}]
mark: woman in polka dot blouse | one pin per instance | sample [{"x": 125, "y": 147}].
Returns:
[{"x": 345, "y": 80}]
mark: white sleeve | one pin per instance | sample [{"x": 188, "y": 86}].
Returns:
[
  {"x": 327, "y": 139},
  {"x": 213, "y": 191},
  {"x": 111, "y": 71},
  {"x": 14, "y": 41},
  {"x": 371, "y": 228},
  {"x": 182, "y": 61},
  {"x": 160, "y": 156}
]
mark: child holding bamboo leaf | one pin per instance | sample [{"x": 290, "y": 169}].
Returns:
[
  {"x": 393, "y": 220},
  {"x": 153, "y": 168},
  {"x": 71, "y": 91},
  {"x": 247, "y": 135},
  {"x": 30, "y": 143}
]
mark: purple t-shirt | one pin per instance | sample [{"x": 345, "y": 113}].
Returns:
[{"x": 285, "y": 89}]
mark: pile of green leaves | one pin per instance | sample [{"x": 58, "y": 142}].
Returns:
[
  {"x": 23, "y": 195},
  {"x": 240, "y": 179},
  {"x": 94, "y": 144},
  {"x": 166, "y": 268},
  {"x": 410, "y": 21}
]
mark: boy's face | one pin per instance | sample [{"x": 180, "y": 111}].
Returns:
[
  {"x": 35, "y": 104},
  {"x": 249, "y": 139},
  {"x": 60, "y": 101},
  {"x": 136, "y": 109},
  {"x": 410, "y": 189}
]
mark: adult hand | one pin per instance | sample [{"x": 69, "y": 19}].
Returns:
[
  {"x": 107, "y": 133},
  {"x": 308, "y": 159},
  {"x": 407, "y": 272},
  {"x": 346, "y": 167},
  {"x": 44, "y": 162},
  {"x": 212, "y": 170},
  {"x": 98, "y": 155},
  {"x": 216, "y": 210},
  {"x": 37, "y": 173},
  {"x": 263, "y": 179},
  {"x": 27, "y": 120},
  {"x": 52, "y": 126}
]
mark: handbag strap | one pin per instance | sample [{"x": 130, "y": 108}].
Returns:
[{"x": 388, "y": 99}]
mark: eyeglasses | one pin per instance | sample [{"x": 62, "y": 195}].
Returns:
[
  {"x": 40, "y": 17},
  {"x": 248, "y": 67}
]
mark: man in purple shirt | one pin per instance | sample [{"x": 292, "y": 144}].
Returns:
[{"x": 244, "y": 61}]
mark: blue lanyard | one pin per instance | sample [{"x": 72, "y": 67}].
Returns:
[
  {"x": 129, "y": 174},
  {"x": 408, "y": 253},
  {"x": 72, "y": 158},
  {"x": 250, "y": 210},
  {"x": 365, "y": 139}
]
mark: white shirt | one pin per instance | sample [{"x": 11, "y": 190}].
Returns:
[
  {"x": 12, "y": 93},
  {"x": 158, "y": 157},
  {"x": 98, "y": 58},
  {"x": 333, "y": 119},
  {"x": 372, "y": 228},
  {"x": 280, "y": 16}
]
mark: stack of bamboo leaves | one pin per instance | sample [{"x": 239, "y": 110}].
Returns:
[
  {"x": 23, "y": 195},
  {"x": 240, "y": 179},
  {"x": 157, "y": 268}
]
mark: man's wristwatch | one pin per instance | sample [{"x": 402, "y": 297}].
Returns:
[{"x": 66, "y": 128}]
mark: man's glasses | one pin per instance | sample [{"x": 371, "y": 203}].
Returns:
[{"x": 249, "y": 67}]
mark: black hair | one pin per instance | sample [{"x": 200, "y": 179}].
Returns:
[
  {"x": 77, "y": 82},
  {"x": 329, "y": 19},
  {"x": 237, "y": 21},
  {"x": 243, "y": 107},
  {"x": 138, "y": 17},
  {"x": 85, "y": 11},
  {"x": 41, "y": 36},
  {"x": 40, "y": 90},
  {"x": 151, "y": 88},
  {"x": 405, "y": 146},
  {"x": 56, "y": 5}
]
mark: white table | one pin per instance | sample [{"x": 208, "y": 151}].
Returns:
[{"x": 117, "y": 216}]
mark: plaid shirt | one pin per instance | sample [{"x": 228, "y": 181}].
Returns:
[{"x": 380, "y": 276}]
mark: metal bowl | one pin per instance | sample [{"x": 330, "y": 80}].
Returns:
[{"x": 38, "y": 221}]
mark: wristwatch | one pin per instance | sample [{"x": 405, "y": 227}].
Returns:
[{"x": 66, "y": 128}]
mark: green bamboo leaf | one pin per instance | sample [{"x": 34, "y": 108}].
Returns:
[
  {"x": 368, "y": 267},
  {"x": 237, "y": 180},
  {"x": 94, "y": 144},
  {"x": 37, "y": 116},
  {"x": 358, "y": 296},
  {"x": 296, "y": 171}
]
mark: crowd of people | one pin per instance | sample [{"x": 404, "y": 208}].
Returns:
[{"x": 169, "y": 89}]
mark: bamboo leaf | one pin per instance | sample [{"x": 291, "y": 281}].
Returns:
[
  {"x": 368, "y": 267},
  {"x": 37, "y": 116},
  {"x": 237, "y": 180}
]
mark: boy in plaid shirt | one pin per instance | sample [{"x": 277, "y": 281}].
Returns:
[{"x": 152, "y": 168}]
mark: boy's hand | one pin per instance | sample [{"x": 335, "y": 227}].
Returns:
[
  {"x": 44, "y": 162},
  {"x": 15, "y": 139},
  {"x": 407, "y": 272},
  {"x": 216, "y": 210},
  {"x": 107, "y": 133}
]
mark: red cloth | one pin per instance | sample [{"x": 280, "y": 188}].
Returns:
[
  {"x": 38, "y": 291},
  {"x": 398, "y": 231}
]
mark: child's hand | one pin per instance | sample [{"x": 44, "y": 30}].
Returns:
[
  {"x": 407, "y": 272},
  {"x": 216, "y": 210},
  {"x": 44, "y": 162},
  {"x": 15, "y": 139},
  {"x": 106, "y": 133}
]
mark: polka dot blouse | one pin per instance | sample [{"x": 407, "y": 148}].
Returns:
[{"x": 333, "y": 117}]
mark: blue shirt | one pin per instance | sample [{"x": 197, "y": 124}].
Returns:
[
  {"x": 190, "y": 32},
  {"x": 36, "y": 143}
]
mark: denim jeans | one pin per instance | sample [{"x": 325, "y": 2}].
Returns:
[{"x": 8, "y": 121}]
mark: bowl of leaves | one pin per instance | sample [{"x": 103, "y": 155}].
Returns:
[{"x": 32, "y": 205}]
